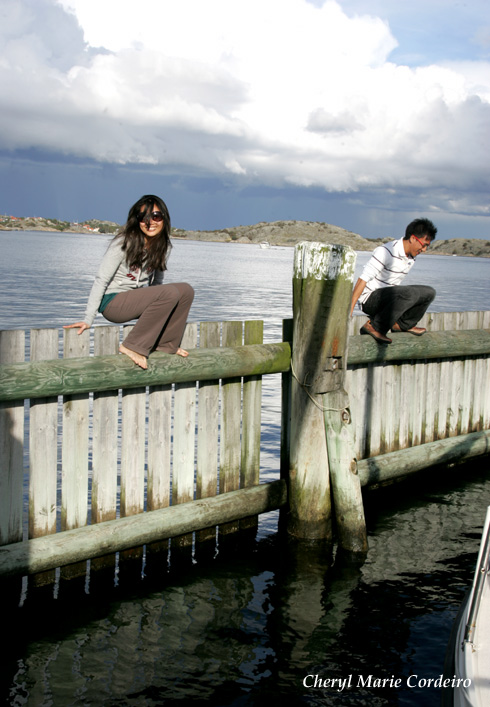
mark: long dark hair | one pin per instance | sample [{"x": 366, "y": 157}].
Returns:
[{"x": 154, "y": 255}]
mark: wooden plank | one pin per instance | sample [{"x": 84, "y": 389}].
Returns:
[
  {"x": 159, "y": 447},
  {"x": 435, "y": 389},
  {"x": 362, "y": 392},
  {"x": 472, "y": 319},
  {"x": 477, "y": 393},
  {"x": 390, "y": 408},
  {"x": 452, "y": 376},
  {"x": 251, "y": 421},
  {"x": 471, "y": 396},
  {"x": 43, "y": 449},
  {"x": 51, "y": 551},
  {"x": 466, "y": 398},
  {"x": 442, "y": 402},
  {"x": 133, "y": 454},
  {"x": 105, "y": 434},
  {"x": 360, "y": 399},
  {"x": 74, "y": 474},
  {"x": 397, "y": 405},
  {"x": 429, "y": 320},
  {"x": 67, "y": 377},
  {"x": 452, "y": 321},
  {"x": 159, "y": 468},
  {"x": 443, "y": 407},
  {"x": 133, "y": 447},
  {"x": 105, "y": 445},
  {"x": 388, "y": 467},
  {"x": 456, "y": 410},
  {"x": 431, "y": 397},
  {"x": 406, "y": 387},
  {"x": 375, "y": 416},
  {"x": 486, "y": 398},
  {"x": 230, "y": 447},
  {"x": 207, "y": 432},
  {"x": 287, "y": 335},
  {"x": 183, "y": 467},
  {"x": 436, "y": 344},
  {"x": 133, "y": 443},
  {"x": 251, "y": 416},
  {"x": 12, "y": 349},
  {"x": 481, "y": 382},
  {"x": 74, "y": 493},
  {"x": 417, "y": 420}
]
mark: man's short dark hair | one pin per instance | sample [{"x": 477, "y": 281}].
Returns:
[{"x": 420, "y": 227}]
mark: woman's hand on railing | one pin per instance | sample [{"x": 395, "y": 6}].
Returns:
[{"x": 81, "y": 326}]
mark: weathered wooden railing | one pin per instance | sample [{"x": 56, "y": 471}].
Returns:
[
  {"x": 116, "y": 457},
  {"x": 122, "y": 441},
  {"x": 420, "y": 390}
]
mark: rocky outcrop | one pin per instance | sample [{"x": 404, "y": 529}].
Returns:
[
  {"x": 288, "y": 233},
  {"x": 284, "y": 233},
  {"x": 38, "y": 223},
  {"x": 477, "y": 247},
  {"x": 276, "y": 233}
]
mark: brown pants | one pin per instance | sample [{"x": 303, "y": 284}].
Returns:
[{"x": 161, "y": 312}]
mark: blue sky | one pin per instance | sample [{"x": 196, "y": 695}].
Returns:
[{"x": 360, "y": 114}]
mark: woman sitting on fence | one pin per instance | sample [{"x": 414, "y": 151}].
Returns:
[{"x": 137, "y": 256}]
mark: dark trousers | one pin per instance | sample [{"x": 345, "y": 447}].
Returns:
[
  {"x": 402, "y": 304},
  {"x": 161, "y": 311}
]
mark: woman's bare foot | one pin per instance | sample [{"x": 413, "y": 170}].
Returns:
[
  {"x": 139, "y": 359},
  {"x": 182, "y": 352}
]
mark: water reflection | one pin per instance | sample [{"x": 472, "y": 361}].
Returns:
[{"x": 251, "y": 625}]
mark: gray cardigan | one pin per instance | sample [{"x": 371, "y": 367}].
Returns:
[{"x": 114, "y": 276}]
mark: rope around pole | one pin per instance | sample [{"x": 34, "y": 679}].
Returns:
[{"x": 305, "y": 387}]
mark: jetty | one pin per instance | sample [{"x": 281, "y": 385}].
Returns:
[{"x": 99, "y": 457}]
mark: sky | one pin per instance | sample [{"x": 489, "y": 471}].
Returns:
[{"x": 363, "y": 114}]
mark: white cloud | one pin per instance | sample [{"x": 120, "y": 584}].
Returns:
[{"x": 266, "y": 91}]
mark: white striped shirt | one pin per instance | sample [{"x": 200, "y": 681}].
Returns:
[{"x": 387, "y": 266}]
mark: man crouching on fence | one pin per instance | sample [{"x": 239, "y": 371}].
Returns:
[{"x": 378, "y": 290}]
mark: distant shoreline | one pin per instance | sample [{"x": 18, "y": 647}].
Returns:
[{"x": 277, "y": 233}]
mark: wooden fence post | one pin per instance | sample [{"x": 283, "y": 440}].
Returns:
[{"x": 322, "y": 287}]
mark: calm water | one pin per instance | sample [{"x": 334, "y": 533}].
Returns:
[
  {"x": 248, "y": 627},
  {"x": 47, "y": 278}
]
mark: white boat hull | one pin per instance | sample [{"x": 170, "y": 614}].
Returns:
[{"x": 470, "y": 648}]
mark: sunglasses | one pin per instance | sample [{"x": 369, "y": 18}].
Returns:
[
  {"x": 156, "y": 216},
  {"x": 424, "y": 245}
]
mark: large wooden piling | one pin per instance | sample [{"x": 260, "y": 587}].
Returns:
[{"x": 320, "y": 418}]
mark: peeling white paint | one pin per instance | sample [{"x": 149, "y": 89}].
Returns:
[{"x": 323, "y": 261}]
